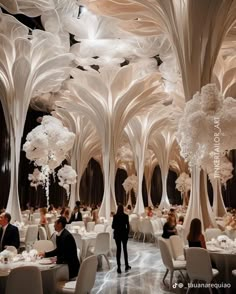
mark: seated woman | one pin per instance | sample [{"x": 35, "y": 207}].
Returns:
[
  {"x": 195, "y": 237},
  {"x": 169, "y": 227}
]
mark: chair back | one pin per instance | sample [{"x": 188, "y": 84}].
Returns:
[
  {"x": 212, "y": 233},
  {"x": 87, "y": 275},
  {"x": 146, "y": 227},
  {"x": 102, "y": 245},
  {"x": 99, "y": 228},
  {"x": 31, "y": 234},
  {"x": 25, "y": 280},
  {"x": 78, "y": 224},
  {"x": 198, "y": 264},
  {"x": 51, "y": 230},
  {"x": 90, "y": 226},
  {"x": 78, "y": 240},
  {"x": 43, "y": 245},
  {"x": 177, "y": 246},
  {"x": 42, "y": 233},
  {"x": 166, "y": 253}
]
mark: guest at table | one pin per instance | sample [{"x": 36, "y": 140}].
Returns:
[
  {"x": 120, "y": 225},
  {"x": 51, "y": 208},
  {"x": 66, "y": 214},
  {"x": 169, "y": 228},
  {"x": 43, "y": 219},
  {"x": 149, "y": 211},
  {"x": 181, "y": 220},
  {"x": 76, "y": 215},
  {"x": 94, "y": 213},
  {"x": 195, "y": 237},
  {"x": 66, "y": 250},
  {"x": 9, "y": 234}
]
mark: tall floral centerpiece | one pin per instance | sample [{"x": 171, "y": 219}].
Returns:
[
  {"x": 47, "y": 146},
  {"x": 130, "y": 183},
  {"x": 183, "y": 184}
]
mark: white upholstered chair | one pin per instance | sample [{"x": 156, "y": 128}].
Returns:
[
  {"x": 99, "y": 228},
  {"x": 170, "y": 264},
  {"x": 102, "y": 246},
  {"x": 90, "y": 226},
  {"x": 211, "y": 233},
  {"x": 43, "y": 245},
  {"x": 25, "y": 280},
  {"x": 85, "y": 280},
  {"x": 177, "y": 247},
  {"x": 31, "y": 236},
  {"x": 42, "y": 233},
  {"x": 199, "y": 266}
]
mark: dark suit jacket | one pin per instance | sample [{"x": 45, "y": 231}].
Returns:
[
  {"x": 11, "y": 236},
  {"x": 66, "y": 252},
  {"x": 76, "y": 219},
  {"x": 120, "y": 225}
]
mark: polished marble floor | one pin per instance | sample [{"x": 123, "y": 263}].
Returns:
[{"x": 145, "y": 276}]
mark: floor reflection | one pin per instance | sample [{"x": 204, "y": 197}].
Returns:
[{"x": 145, "y": 276}]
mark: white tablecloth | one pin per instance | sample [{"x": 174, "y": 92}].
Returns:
[{"x": 50, "y": 274}]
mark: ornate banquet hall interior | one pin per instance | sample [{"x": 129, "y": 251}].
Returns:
[{"x": 123, "y": 101}]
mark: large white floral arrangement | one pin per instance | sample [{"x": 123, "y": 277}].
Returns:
[
  {"x": 131, "y": 183},
  {"x": 67, "y": 176},
  {"x": 48, "y": 143},
  {"x": 225, "y": 170},
  {"x": 206, "y": 127},
  {"x": 183, "y": 183}
]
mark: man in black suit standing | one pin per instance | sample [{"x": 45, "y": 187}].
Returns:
[
  {"x": 9, "y": 234},
  {"x": 66, "y": 250}
]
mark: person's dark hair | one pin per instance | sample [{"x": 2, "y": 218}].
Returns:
[
  {"x": 62, "y": 211},
  {"x": 7, "y": 216},
  {"x": 129, "y": 207},
  {"x": 195, "y": 230},
  {"x": 120, "y": 209},
  {"x": 181, "y": 219},
  {"x": 77, "y": 203},
  {"x": 62, "y": 220}
]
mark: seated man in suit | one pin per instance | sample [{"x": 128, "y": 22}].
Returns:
[
  {"x": 66, "y": 250},
  {"x": 9, "y": 234},
  {"x": 76, "y": 215}
]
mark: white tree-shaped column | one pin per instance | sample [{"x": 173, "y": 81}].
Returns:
[
  {"x": 29, "y": 65},
  {"x": 109, "y": 98},
  {"x": 87, "y": 145}
]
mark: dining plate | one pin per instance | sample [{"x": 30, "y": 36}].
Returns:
[{"x": 45, "y": 261}]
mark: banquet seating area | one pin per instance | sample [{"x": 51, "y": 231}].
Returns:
[{"x": 173, "y": 262}]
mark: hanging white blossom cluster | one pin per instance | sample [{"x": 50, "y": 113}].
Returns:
[
  {"x": 206, "y": 129},
  {"x": 67, "y": 176},
  {"x": 37, "y": 178},
  {"x": 183, "y": 183},
  {"x": 224, "y": 173},
  {"x": 131, "y": 183},
  {"x": 48, "y": 143}
]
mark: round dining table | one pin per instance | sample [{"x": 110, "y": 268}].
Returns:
[
  {"x": 50, "y": 272},
  {"x": 224, "y": 260}
]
